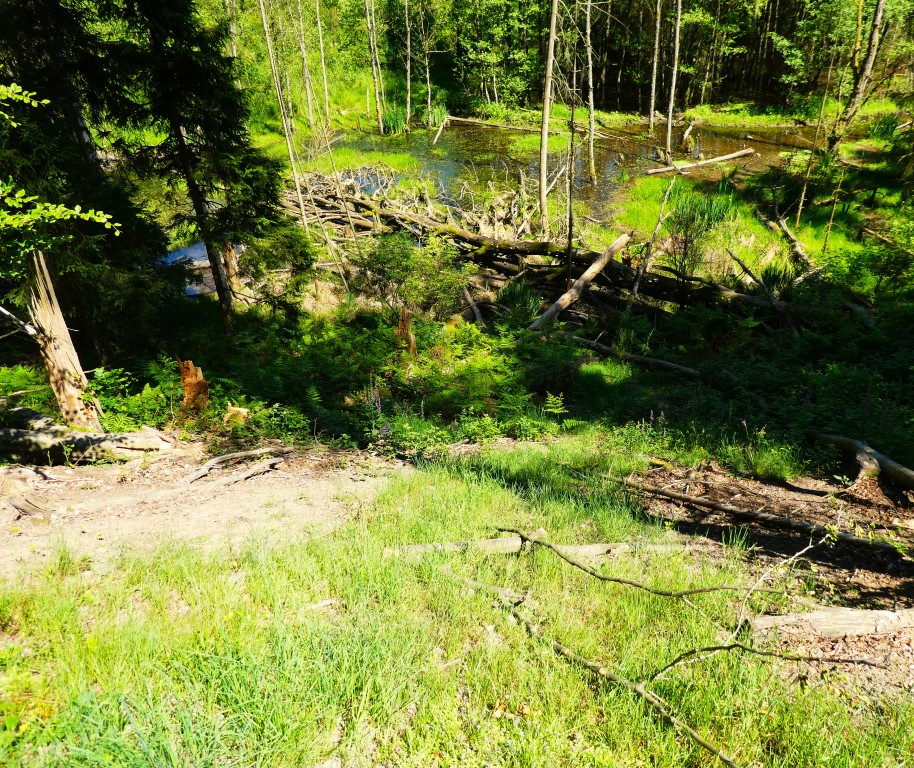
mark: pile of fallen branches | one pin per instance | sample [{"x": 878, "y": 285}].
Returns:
[{"x": 491, "y": 234}]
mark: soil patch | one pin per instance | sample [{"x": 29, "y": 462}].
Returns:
[{"x": 98, "y": 510}]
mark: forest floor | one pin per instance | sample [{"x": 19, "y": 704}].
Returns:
[{"x": 96, "y": 512}]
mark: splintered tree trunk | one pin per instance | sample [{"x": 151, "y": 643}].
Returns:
[
  {"x": 544, "y": 131},
  {"x": 669, "y": 116},
  {"x": 232, "y": 274},
  {"x": 68, "y": 382},
  {"x": 654, "y": 68},
  {"x": 590, "y": 104}
]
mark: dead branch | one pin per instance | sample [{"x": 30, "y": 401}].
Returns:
[
  {"x": 898, "y": 474},
  {"x": 637, "y": 688},
  {"x": 562, "y": 552},
  {"x": 653, "y": 362},
  {"x": 232, "y": 458},
  {"x": 574, "y": 293},
  {"x": 710, "y": 161},
  {"x": 698, "y": 654},
  {"x": 757, "y": 280},
  {"x": 766, "y": 518}
]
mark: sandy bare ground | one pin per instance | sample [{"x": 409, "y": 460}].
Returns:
[{"x": 97, "y": 511}]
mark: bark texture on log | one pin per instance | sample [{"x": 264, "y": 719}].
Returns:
[
  {"x": 575, "y": 292},
  {"x": 75, "y": 446},
  {"x": 68, "y": 382},
  {"x": 896, "y": 473}
]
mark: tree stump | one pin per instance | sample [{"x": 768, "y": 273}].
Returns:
[{"x": 196, "y": 388}]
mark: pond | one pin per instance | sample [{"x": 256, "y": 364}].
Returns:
[{"x": 479, "y": 154}]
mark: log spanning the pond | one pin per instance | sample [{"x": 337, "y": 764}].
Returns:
[{"x": 709, "y": 161}]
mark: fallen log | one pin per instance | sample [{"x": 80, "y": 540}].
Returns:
[
  {"x": 232, "y": 458},
  {"x": 765, "y": 518},
  {"x": 653, "y": 362},
  {"x": 837, "y": 622},
  {"x": 580, "y": 285},
  {"x": 710, "y": 161},
  {"x": 866, "y": 457},
  {"x": 75, "y": 446}
]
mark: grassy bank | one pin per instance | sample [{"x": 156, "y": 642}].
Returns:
[{"x": 182, "y": 657}]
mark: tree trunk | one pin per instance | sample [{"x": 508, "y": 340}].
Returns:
[
  {"x": 282, "y": 113},
  {"x": 306, "y": 70},
  {"x": 409, "y": 63},
  {"x": 590, "y": 104},
  {"x": 544, "y": 130},
  {"x": 654, "y": 68},
  {"x": 861, "y": 79},
  {"x": 65, "y": 374},
  {"x": 375, "y": 66},
  {"x": 232, "y": 273},
  {"x": 669, "y": 116},
  {"x": 428, "y": 90},
  {"x": 320, "y": 42}
]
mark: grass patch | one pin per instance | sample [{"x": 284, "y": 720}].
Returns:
[{"x": 182, "y": 657}]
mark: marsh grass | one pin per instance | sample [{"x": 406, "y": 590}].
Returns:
[{"x": 182, "y": 657}]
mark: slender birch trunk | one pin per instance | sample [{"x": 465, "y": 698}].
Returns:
[
  {"x": 862, "y": 77},
  {"x": 669, "y": 116},
  {"x": 282, "y": 112},
  {"x": 306, "y": 70},
  {"x": 544, "y": 131},
  {"x": 320, "y": 42},
  {"x": 409, "y": 63},
  {"x": 375, "y": 65},
  {"x": 654, "y": 69},
  {"x": 428, "y": 90},
  {"x": 590, "y": 104}
]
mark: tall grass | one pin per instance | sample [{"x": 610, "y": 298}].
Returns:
[{"x": 184, "y": 658}]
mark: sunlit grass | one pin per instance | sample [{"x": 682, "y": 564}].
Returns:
[{"x": 181, "y": 657}]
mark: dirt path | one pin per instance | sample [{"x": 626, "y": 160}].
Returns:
[{"x": 98, "y": 511}]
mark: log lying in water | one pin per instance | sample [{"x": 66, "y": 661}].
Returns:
[{"x": 710, "y": 161}]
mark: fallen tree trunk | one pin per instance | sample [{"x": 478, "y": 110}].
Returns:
[
  {"x": 837, "y": 622},
  {"x": 580, "y": 285},
  {"x": 866, "y": 457},
  {"x": 75, "y": 446},
  {"x": 653, "y": 362},
  {"x": 765, "y": 518},
  {"x": 710, "y": 161}
]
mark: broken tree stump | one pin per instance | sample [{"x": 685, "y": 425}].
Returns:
[{"x": 195, "y": 386}]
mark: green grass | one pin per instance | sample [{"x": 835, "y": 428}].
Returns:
[
  {"x": 352, "y": 157},
  {"x": 186, "y": 658},
  {"x": 529, "y": 143}
]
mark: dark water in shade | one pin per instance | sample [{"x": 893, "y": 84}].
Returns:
[{"x": 479, "y": 154}]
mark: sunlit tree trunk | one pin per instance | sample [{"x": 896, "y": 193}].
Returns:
[
  {"x": 306, "y": 70},
  {"x": 653, "y": 106},
  {"x": 282, "y": 112},
  {"x": 544, "y": 131},
  {"x": 862, "y": 77},
  {"x": 375, "y": 65},
  {"x": 590, "y": 104},
  {"x": 669, "y": 116},
  {"x": 409, "y": 63},
  {"x": 320, "y": 42},
  {"x": 65, "y": 374},
  {"x": 428, "y": 90}
]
